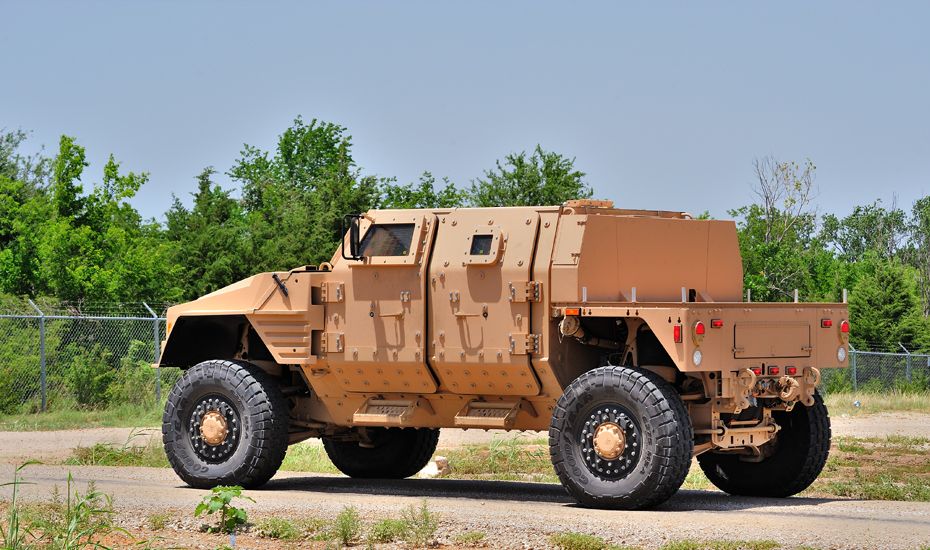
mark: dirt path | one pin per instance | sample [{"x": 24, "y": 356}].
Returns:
[
  {"x": 57, "y": 445},
  {"x": 518, "y": 515}
]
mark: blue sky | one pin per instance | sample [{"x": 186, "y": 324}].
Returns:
[{"x": 663, "y": 107}]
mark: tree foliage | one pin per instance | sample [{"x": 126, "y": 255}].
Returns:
[{"x": 537, "y": 179}]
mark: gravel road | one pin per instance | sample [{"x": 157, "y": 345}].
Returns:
[
  {"x": 519, "y": 515},
  {"x": 512, "y": 514}
]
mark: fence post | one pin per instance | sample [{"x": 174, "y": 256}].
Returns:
[
  {"x": 157, "y": 350},
  {"x": 853, "y": 356},
  {"x": 907, "y": 362},
  {"x": 42, "y": 383}
]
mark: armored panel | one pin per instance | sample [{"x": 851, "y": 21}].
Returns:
[{"x": 480, "y": 295}]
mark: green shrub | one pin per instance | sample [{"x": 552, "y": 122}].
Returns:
[
  {"x": 469, "y": 538},
  {"x": 220, "y": 500},
  {"x": 421, "y": 523},
  {"x": 278, "y": 528},
  {"x": 90, "y": 374},
  {"x": 347, "y": 525},
  {"x": 388, "y": 530},
  {"x": 577, "y": 541}
]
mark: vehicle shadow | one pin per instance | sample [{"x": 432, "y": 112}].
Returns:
[{"x": 686, "y": 500}]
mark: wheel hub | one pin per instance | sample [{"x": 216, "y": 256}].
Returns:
[
  {"x": 610, "y": 442},
  {"x": 214, "y": 429}
]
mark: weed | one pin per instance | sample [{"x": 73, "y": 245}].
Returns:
[
  {"x": 577, "y": 541},
  {"x": 722, "y": 545},
  {"x": 219, "y": 500},
  {"x": 347, "y": 526},
  {"x": 158, "y": 520},
  {"x": 422, "y": 524},
  {"x": 278, "y": 528},
  {"x": 388, "y": 530},
  {"x": 13, "y": 534},
  {"x": 469, "y": 538}
]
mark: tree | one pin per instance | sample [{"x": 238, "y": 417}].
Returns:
[
  {"x": 295, "y": 200},
  {"x": 870, "y": 228},
  {"x": 777, "y": 234},
  {"x": 539, "y": 179},
  {"x": 423, "y": 195},
  {"x": 884, "y": 308},
  {"x": 211, "y": 238}
]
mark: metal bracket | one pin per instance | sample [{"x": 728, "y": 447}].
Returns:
[
  {"x": 332, "y": 342},
  {"x": 332, "y": 291}
]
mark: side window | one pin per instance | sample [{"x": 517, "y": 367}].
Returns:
[
  {"x": 389, "y": 239},
  {"x": 481, "y": 245}
]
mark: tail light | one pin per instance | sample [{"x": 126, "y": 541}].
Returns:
[
  {"x": 844, "y": 326},
  {"x": 676, "y": 331},
  {"x": 757, "y": 371},
  {"x": 716, "y": 323},
  {"x": 791, "y": 371},
  {"x": 699, "y": 329},
  {"x": 773, "y": 371},
  {"x": 826, "y": 323}
]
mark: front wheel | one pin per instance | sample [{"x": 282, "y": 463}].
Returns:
[
  {"x": 225, "y": 423},
  {"x": 798, "y": 455},
  {"x": 620, "y": 438}
]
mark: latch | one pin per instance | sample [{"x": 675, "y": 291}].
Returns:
[
  {"x": 332, "y": 291},
  {"x": 524, "y": 344},
  {"x": 525, "y": 291},
  {"x": 332, "y": 342}
]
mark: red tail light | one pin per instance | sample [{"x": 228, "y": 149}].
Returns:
[
  {"x": 791, "y": 371},
  {"x": 699, "y": 328},
  {"x": 676, "y": 330},
  {"x": 844, "y": 326},
  {"x": 773, "y": 371},
  {"x": 826, "y": 323},
  {"x": 716, "y": 323},
  {"x": 757, "y": 371}
]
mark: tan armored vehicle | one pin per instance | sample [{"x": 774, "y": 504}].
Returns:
[{"x": 622, "y": 332}]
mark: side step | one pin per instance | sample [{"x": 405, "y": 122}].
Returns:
[
  {"x": 491, "y": 414},
  {"x": 389, "y": 412}
]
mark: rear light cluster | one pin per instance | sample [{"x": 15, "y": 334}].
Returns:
[
  {"x": 774, "y": 371},
  {"x": 828, "y": 323}
]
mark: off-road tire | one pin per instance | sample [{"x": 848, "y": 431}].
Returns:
[
  {"x": 666, "y": 440},
  {"x": 262, "y": 418},
  {"x": 801, "y": 449},
  {"x": 396, "y": 453}
]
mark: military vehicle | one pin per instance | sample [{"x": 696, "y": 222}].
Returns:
[{"x": 624, "y": 333}]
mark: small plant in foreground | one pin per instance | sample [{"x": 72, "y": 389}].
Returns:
[
  {"x": 13, "y": 535},
  {"x": 469, "y": 538},
  {"x": 219, "y": 500},
  {"x": 422, "y": 524},
  {"x": 278, "y": 528},
  {"x": 388, "y": 530},
  {"x": 347, "y": 525}
]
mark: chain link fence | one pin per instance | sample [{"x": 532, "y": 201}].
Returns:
[
  {"x": 62, "y": 356},
  {"x": 55, "y": 355}
]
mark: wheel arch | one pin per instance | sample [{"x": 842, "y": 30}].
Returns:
[{"x": 196, "y": 338}]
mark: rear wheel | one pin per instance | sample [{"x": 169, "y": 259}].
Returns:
[
  {"x": 387, "y": 453},
  {"x": 620, "y": 438},
  {"x": 799, "y": 454},
  {"x": 225, "y": 423}
]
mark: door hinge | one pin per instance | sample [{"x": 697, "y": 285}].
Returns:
[
  {"x": 524, "y": 344},
  {"x": 525, "y": 291}
]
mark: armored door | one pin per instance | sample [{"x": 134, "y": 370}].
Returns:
[
  {"x": 379, "y": 343},
  {"x": 480, "y": 297}
]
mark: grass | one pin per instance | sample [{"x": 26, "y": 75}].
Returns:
[
  {"x": 278, "y": 528},
  {"x": 158, "y": 520},
  {"x": 888, "y": 401},
  {"x": 469, "y": 538},
  {"x": 689, "y": 544},
  {"x": 421, "y": 524},
  {"x": 388, "y": 530},
  {"x": 122, "y": 416}
]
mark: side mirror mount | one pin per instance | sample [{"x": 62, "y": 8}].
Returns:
[{"x": 353, "y": 222}]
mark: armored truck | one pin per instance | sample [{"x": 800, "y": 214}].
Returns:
[{"x": 624, "y": 333}]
